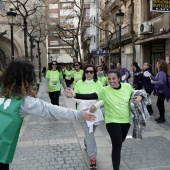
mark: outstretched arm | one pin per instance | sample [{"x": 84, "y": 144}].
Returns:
[{"x": 69, "y": 92}]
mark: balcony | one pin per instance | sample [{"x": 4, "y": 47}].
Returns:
[
  {"x": 112, "y": 5},
  {"x": 125, "y": 36},
  {"x": 104, "y": 14}
]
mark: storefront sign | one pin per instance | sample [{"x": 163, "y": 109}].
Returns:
[
  {"x": 160, "y": 5},
  {"x": 100, "y": 52}
]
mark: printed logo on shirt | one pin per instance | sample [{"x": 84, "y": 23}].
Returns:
[
  {"x": 123, "y": 103},
  {"x": 6, "y": 104}
]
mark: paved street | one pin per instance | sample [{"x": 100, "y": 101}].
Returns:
[{"x": 45, "y": 144}]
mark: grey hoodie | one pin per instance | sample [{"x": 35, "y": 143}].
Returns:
[{"x": 37, "y": 107}]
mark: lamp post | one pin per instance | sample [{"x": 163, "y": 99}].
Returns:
[
  {"x": 88, "y": 43},
  {"x": 11, "y": 21},
  {"x": 51, "y": 58},
  {"x": 120, "y": 17}
]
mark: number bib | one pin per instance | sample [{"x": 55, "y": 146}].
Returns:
[{"x": 54, "y": 83}]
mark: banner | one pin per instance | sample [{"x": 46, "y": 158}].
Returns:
[{"x": 160, "y": 5}]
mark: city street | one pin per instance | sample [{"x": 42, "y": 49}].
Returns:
[{"x": 46, "y": 144}]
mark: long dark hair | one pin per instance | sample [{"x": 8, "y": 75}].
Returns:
[
  {"x": 57, "y": 67},
  {"x": 116, "y": 72},
  {"x": 18, "y": 79},
  {"x": 95, "y": 74}
]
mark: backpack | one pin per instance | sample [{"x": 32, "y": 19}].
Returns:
[{"x": 168, "y": 80}]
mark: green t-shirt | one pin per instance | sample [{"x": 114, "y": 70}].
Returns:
[
  {"x": 54, "y": 80},
  {"x": 116, "y": 103},
  {"x": 68, "y": 74},
  {"x": 103, "y": 80},
  {"x": 88, "y": 87},
  {"x": 77, "y": 75}
]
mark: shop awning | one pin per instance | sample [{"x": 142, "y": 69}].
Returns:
[{"x": 151, "y": 39}]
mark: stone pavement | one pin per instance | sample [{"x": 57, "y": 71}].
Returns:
[{"x": 46, "y": 144}]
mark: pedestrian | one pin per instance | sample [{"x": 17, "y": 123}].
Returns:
[
  {"x": 102, "y": 77},
  {"x": 90, "y": 84},
  {"x": 147, "y": 85},
  {"x": 116, "y": 99},
  {"x": 161, "y": 89},
  {"x": 68, "y": 73},
  {"x": 112, "y": 65},
  {"x": 105, "y": 69},
  {"x": 77, "y": 73},
  {"x": 44, "y": 71},
  {"x": 18, "y": 99},
  {"x": 137, "y": 76},
  {"x": 54, "y": 79},
  {"x": 124, "y": 72}
]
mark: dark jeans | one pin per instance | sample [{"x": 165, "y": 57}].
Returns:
[
  {"x": 149, "y": 91},
  {"x": 160, "y": 104},
  {"x": 118, "y": 133},
  {"x": 4, "y": 166},
  {"x": 68, "y": 83},
  {"x": 54, "y": 96}
]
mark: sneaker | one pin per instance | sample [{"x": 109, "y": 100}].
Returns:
[
  {"x": 159, "y": 118},
  {"x": 93, "y": 163},
  {"x": 162, "y": 120}
]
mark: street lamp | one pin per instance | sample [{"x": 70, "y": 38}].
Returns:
[
  {"x": 51, "y": 58},
  {"x": 120, "y": 17},
  {"x": 11, "y": 21}
]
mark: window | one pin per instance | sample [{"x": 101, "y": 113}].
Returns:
[
  {"x": 54, "y": 34},
  {"x": 53, "y": 6},
  {"x": 54, "y": 15},
  {"x": 68, "y": 12},
  {"x": 52, "y": 23},
  {"x": 66, "y": 6},
  {"x": 55, "y": 51},
  {"x": 87, "y": 12},
  {"x": 54, "y": 42},
  {"x": 69, "y": 40}
]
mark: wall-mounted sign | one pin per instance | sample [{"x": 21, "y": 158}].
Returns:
[
  {"x": 100, "y": 52},
  {"x": 160, "y": 5}
]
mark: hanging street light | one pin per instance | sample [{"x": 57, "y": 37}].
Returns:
[
  {"x": 11, "y": 15},
  {"x": 120, "y": 18}
]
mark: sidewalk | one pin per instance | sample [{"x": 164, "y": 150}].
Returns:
[{"x": 45, "y": 144}]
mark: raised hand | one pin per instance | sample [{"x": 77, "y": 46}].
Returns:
[
  {"x": 69, "y": 92},
  {"x": 136, "y": 100},
  {"x": 88, "y": 116}
]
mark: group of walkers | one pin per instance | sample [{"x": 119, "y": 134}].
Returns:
[{"x": 91, "y": 88}]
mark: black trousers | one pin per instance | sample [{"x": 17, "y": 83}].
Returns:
[
  {"x": 4, "y": 166},
  {"x": 54, "y": 96},
  {"x": 118, "y": 133},
  {"x": 160, "y": 104},
  {"x": 68, "y": 82}
]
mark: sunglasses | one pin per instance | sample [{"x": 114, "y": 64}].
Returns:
[
  {"x": 76, "y": 65},
  {"x": 89, "y": 71}
]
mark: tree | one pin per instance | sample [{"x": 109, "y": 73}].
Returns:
[
  {"x": 68, "y": 29},
  {"x": 25, "y": 10}
]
